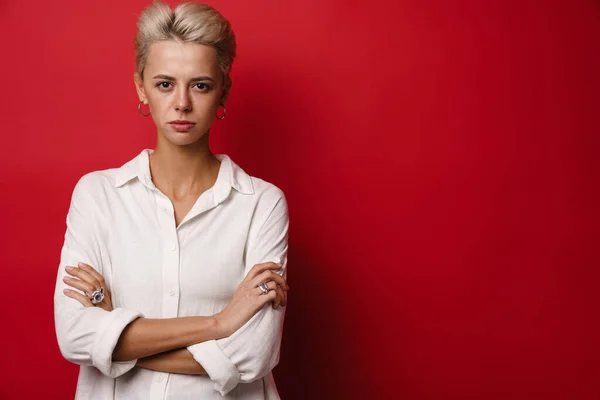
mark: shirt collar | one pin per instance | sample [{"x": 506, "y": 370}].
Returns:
[{"x": 230, "y": 175}]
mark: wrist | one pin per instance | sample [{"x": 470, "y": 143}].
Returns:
[{"x": 221, "y": 327}]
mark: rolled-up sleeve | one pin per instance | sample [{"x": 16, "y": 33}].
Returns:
[
  {"x": 253, "y": 350},
  {"x": 87, "y": 336}
]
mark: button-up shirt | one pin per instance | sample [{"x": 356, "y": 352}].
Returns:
[{"x": 122, "y": 225}]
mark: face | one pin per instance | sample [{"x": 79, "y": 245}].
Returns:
[{"x": 182, "y": 82}]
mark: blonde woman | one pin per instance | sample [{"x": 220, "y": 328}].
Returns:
[{"x": 171, "y": 281}]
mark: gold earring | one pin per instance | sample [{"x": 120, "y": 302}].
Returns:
[
  {"x": 140, "y": 109},
  {"x": 224, "y": 113}
]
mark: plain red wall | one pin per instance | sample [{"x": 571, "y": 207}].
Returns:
[{"x": 440, "y": 160}]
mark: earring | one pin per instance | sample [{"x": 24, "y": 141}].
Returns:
[
  {"x": 140, "y": 109},
  {"x": 224, "y": 113}
]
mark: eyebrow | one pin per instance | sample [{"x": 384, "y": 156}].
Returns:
[{"x": 196, "y": 79}]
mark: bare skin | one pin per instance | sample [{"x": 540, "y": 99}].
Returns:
[
  {"x": 181, "y": 82},
  {"x": 178, "y": 361},
  {"x": 146, "y": 337}
]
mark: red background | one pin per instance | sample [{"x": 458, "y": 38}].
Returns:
[{"x": 440, "y": 160}]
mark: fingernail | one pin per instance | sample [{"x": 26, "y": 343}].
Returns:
[
  {"x": 69, "y": 269},
  {"x": 66, "y": 291},
  {"x": 80, "y": 264}
]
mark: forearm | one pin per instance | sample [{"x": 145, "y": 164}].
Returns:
[
  {"x": 146, "y": 337},
  {"x": 178, "y": 361}
]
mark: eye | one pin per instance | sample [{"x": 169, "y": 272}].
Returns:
[
  {"x": 202, "y": 86},
  {"x": 163, "y": 85}
]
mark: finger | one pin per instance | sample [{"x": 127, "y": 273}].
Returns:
[
  {"x": 79, "y": 284},
  {"x": 280, "y": 296},
  {"x": 267, "y": 276},
  {"x": 98, "y": 278},
  {"x": 270, "y": 286},
  {"x": 281, "y": 281},
  {"x": 268, "y": 297},
  {"x": 264, "y": 277},
  {"x": 84, "y": 276},
  {"x": 79, "y": 297},
  {"x": 274, "y": 291},
  {"x": 273, "y": 286},
  {"x": 260, "y": 268},
  {"x": 283, "y": 297},
  {"x": 90, "y": 270}
]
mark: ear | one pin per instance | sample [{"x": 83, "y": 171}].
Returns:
[
  {"x": 223, "y": 98},
  {"x": 139, "y": 87},
  {"x": 224, "y": 93}
]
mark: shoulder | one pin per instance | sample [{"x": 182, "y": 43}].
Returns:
[
  {"x": 266, "y": 191},
  {"x": 269, "y": 197},
  {"x": 271, "y": 203},
  {"x": 105, "y": 182},
  {"x": 95, "y": 185},
  {"x": 257, "y": 191},
  {"x": 90, "y": 197}
]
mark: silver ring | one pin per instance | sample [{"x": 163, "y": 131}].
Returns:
[
  {"x": 263, "y": 288},
  {"x": 97, "y": 296}
]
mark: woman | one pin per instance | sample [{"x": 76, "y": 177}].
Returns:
[{"x": 171, "y": 281}]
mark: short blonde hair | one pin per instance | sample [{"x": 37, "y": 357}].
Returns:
[{"x": 189, "y": 23}]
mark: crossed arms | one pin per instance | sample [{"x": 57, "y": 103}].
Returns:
[{"x": 116, "y": 340}]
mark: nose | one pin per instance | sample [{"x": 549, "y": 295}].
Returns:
[{"x": 183, "y": 102}]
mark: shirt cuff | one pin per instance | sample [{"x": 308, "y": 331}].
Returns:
[
  {"x": 219, "y": 368},
  {"x": 108, "y": 334}
]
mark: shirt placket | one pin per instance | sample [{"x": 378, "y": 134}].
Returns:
[{"x": 170, "y": 273}]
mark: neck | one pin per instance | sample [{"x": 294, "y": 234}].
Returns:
[{"x": 183, "y": 170}]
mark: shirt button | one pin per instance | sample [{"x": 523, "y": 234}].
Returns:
[
  {"x": 172, "y": 291},
  {"x": 159, "y": 378},
  {"x": 172, "y": 247}
]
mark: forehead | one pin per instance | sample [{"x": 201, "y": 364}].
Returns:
[{"x": 182, "y": 59}]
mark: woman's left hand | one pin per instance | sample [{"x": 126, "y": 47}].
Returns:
[{"x": 87, "y": 279}]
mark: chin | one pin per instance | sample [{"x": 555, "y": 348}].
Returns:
[{"x": 183, "y": 138}]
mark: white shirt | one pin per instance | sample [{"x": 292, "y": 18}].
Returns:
[{"x": 122, "y": 225}]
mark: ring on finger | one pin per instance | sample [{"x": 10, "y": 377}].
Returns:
[
  {"x": 263, "y": 288},
  {"x": 96, "y": 296}
]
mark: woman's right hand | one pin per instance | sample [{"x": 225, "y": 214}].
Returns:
[{"x": 248, "y": 298}]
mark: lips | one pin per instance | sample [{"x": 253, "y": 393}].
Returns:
[{"x": 181, "y": 125}]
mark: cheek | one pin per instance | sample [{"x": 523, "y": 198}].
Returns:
[
  {"x": 157, "y": 102},
  {"x": 206, "y": 105}
]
